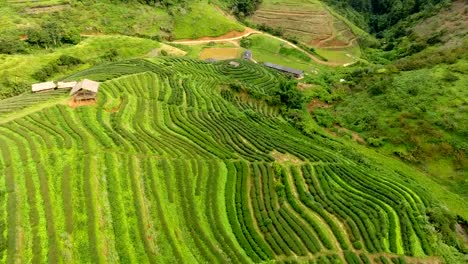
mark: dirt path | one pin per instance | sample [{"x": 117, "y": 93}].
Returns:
[
  {"x": 231, "y": 36},
  {"x": 315, "y": 59}
]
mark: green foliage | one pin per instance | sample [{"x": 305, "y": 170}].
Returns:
[
  {"x": 195, "y": 171},
  {"x": 323, "y": 117},
  {"x": 64, "y": 62},
  {"x": 52, "y": 34},
  {"x": 289, "y": 94},
  {"x": 246, "y": 43},
  {"x": 381, "y": 15},
  {"x": 11, "y": 44},
  {"x": 243, "y": 8},
  {"x": 412, "y": 114}
]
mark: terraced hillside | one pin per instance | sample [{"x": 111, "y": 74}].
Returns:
[
  {"x": 307, "y": 20},
  {"x": 171, "y": 166}
]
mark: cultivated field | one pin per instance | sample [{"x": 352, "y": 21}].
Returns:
[
  {"x": 307, "y": 20},
  {"x": 220, "y": 53},
  {"x": 172, "y": 167}
]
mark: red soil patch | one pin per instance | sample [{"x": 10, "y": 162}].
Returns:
[
  {"x": 115, "y": 109},
  {"x": 304, "y": 86},
  {"x": 316, "y": 103},
  {"x": 74, "y": 104}
]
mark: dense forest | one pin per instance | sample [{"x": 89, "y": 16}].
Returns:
[{"x": 379, "y": 15}]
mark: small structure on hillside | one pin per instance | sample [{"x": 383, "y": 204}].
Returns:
[
  {"x": 210, "y": 60},
  {"x": 247, "y": 55},
  {"x": 296, "y": 73},
  {"x": 45, "y": 86},
  {"x": 234, "y": 64},
  {"x": 66, "y": 85},
  {"x": 85, "y": 90}
]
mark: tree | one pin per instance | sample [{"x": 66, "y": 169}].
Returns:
[
  {"x": 10, "y": 44},
  {"x": 290, "y": 95},
  {"x": 243, "y": 8}
]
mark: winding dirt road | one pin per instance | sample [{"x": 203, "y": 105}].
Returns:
[{"x": 234, "y": 36}]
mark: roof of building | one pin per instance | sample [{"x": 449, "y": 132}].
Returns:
[
  {"x": 64, "y": 85},
  {"x": 247, "y": 54},
  {"x": 210, "y": 60},
  {"x": 37, "y": 87},
  {"x": 283, "y": 68},
  {"x": 234, "y": 63},
  {"x": 85, "y": 84}
]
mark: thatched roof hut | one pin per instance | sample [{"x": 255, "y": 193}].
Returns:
[{"x": 85, "y": 90}]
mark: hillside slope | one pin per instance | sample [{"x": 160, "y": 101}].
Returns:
[
  {"x": 308, "y": 21},
  {"x": 118, "y": 17},
  {"x": 171, "y": 165}
]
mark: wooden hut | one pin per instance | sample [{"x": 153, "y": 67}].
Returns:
[
  {"x": 85, "y": 90},
  {"x": 234, "y": 64}
]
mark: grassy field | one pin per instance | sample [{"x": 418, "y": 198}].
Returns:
[
  {"x": 342, "y": 56},
  {"x": 220, "y": 53},
  {"x": 268, "y": 49},
  {"x": 171, "y": 166},
  {"x": 203, "y": 20},
  {"x": 21, "y": 67},
  {"x": 198, "y": 19}
]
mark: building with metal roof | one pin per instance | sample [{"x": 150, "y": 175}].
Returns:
[
  {"x": 296, "y": 73},
  {"x": 247, "y": 55}
]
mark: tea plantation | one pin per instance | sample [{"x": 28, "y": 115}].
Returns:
[{"x": 172, "y": 166}]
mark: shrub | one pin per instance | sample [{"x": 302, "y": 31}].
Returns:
[
  {"x": 10, "y": 44},
  {"x": 66, "y": 60},
  {"x": 323, "y": 117},
  {"x": 450, "y": 77},
  {"x": 246, "y": 43},
  {"x": 376, "y": 142}
]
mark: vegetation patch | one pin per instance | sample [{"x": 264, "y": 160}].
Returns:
[{"x": 220, "y": 53}]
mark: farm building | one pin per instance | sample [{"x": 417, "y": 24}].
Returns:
[
  {"x": 296, "y": 73},
  {"x": 247, "y": 55},
  {"x": 45, "y": 86},
  {"x": 234, "y": 64},
  {"x": 210, "y": 60},
  {"x": 66, "y": 85},
  {"x": 85, "y": 90}
]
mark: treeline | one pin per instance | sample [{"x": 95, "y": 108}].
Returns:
[{"x": 382, "y": 14}]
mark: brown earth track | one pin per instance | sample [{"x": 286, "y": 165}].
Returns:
[
  {"x": 228, "y": 36},
  {"x": 290, "y": 13},
  {"x": 46, "y": 9}
]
